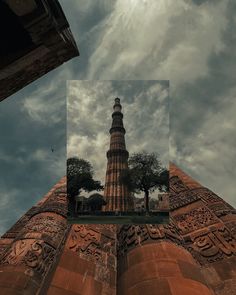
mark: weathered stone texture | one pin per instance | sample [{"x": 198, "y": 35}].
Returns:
[
  {"x": 36, "y": 38},
  {"x": 88, "y": 262},
  {"x": 34, "y": 244},
  {"x": 194, "y": 254},
  {"x": 202, "y": 227}
]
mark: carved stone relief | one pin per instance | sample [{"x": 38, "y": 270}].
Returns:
[
  {"x": 131, "y": 236},
  {"x": 3, "y": 248},
  {"x": 207, "y": 196},
  {"x": 91, "y": 244},
  {"x": 194, "y": 219},
  {"x": 232, "y": 228},
  {"x": 208, "y": 247},
  {"x": 182, "y": 199},
  {"x": 221, "y": 209},
  {"x": 49, "y": 227},
  {"x": 34, "y": 254},
  {"x": 177, "y": 185}
]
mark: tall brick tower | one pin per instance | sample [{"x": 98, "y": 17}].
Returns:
[{"x": 116, "y": 193}]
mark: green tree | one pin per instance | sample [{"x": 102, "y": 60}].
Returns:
[
  {"x": 80, "y": 177},
  {"x": 146, "y": 174},
  {"x": 77, "y": 166}
]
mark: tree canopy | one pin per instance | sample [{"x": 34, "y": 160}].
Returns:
[
  {"x": 77, "y": 166},
  {"x": 146, "y": 173},
  {"x": 80, "y": 177}
]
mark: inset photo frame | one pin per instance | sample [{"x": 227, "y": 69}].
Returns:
[{"x": 118, "y": 152}]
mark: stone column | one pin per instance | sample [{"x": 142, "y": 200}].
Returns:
[
  {"x": 151, "y": 261},
  {"x": 88, "y": 262},
  {"x": 26, "y": 262},
  {"x": 207, "y": 225}
]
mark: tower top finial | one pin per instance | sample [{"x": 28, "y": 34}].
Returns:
[
  {"x": 117, "y": 106},
  {"x": 117, "y": 100}
]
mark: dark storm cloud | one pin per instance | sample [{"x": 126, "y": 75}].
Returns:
[
  {"x": 29, "y": 127},
  {"x": 84, "y": 18},
  {"x": 203, "y": 121},
  {"x": 199, "y": 2}
]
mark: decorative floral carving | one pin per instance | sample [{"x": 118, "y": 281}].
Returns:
[
  {"x": 131, "y": 236},
  {"x": 47, "y": 225},
  {"x": 213, "y": 246},
  {"x": 221, "y": 209},
  {"x": 3, "y": 249},
  {"x": 194, "y": 219},
  {"x": 91, "y": 244},
  {"x": 177, "y": 185},
  {"x": 208, "y": 196},
  {"x": 182, "y": 199},
  {"x": 232, "y": 227},
  {"x": 34, "y": 254}
]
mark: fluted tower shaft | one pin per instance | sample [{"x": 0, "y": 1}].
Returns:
[{"x": 116, "y": 193}]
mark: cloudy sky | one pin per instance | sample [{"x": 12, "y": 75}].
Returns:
[
  {"x": 189, "y": 42},
  {"x": 145, "y": 105}
]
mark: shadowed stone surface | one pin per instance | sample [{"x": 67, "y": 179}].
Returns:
[{"x": 35, "y": 39}]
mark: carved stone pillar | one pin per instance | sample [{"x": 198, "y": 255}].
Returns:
[
  {"x": 207, "y": 225},
  {"x": 151, "y": 258},
  {"x": 26, "y": 262},
  {"x": 88, "y": 262}
]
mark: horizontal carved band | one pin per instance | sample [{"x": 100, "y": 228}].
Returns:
[
  {"x": 117, "y": 129},
  {"x": 118, "y": 114},
  {"x": 118, "y": 152}
]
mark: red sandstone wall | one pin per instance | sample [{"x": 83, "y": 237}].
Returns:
[
  {"x": 34, "y": 245},
  {"x": 207, "y": 225},
  {"x": 88, "y": 262},
  {"x": 195, "y": 253},
  {"x": 160, "y": 268}
]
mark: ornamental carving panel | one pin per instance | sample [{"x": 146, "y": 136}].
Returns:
[
  {"x": 57, "y": 196},
  {"x": 131, "y": 236},
  {"x": 221, "y": 209},
  {"x": 194, "y": 219},
  {"x": 182, "y": 199},
  {"x": 177, "y": 185},
  {"x": 171, "y": 233},
  {"x": 57, "y": 203},
  {"x": 232, "y": 228},
  {"x": 92, "y": 245},
  {"x": 49, "y": 226},
  {"x": 106, "y": 229},
  {"x": 32, "y": 253},
  {"x": 3, "y": 248},
  {"x": 208, "y": 196},
  {"x": 209, "y": 247}
]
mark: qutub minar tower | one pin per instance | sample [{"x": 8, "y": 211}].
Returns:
[{"x": 116, "y": 193}]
